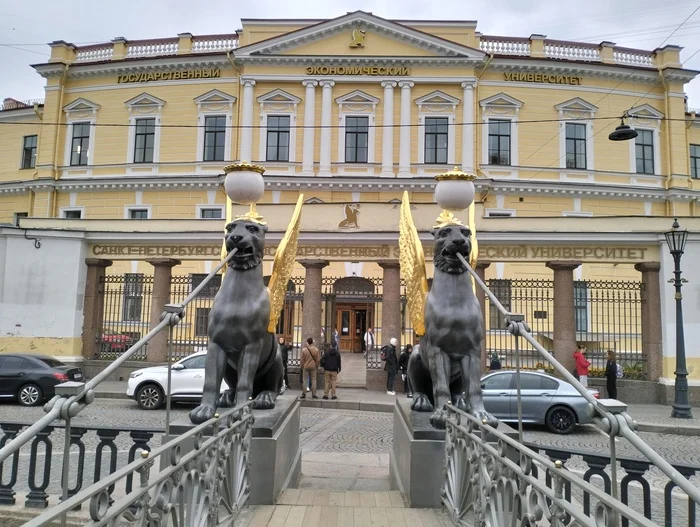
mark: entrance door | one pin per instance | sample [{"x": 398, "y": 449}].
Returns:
[{"x": 352, "y": 322}]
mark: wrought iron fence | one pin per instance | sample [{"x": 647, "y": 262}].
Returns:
[
  {"x": 126, "y": 314},
  {"x": 607, "y": 317},
  {"x": 109, "y": 447},
  {"x": 533, "y": 298}
]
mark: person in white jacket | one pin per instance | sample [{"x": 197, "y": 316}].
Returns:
[{"x": 369, "y": 340}]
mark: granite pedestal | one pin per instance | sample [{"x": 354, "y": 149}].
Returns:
[
  {"x": 417, "y": 456},
  {"x": 274, "y": 451}
]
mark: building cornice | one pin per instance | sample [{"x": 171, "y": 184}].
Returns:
[
  {"x": 564, "y": 67},
  {"x": 136, "y": 65},
  {"x": 379, "y": 60},
  {"x": 354, "y": 184}
]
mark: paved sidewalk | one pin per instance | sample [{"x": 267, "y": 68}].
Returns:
[{"x": 654, "y": 418}]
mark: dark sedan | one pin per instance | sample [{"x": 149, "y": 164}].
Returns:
[{"x": 31, "y": 379}]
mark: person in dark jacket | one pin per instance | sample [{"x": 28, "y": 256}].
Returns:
[
  {"x": 331, "y": 363},
  {"x": 403, "y": 366},
  {"x": 495, "y": 362},
  {"x": 392, "y": 365},
  {"x": 611, "y": 375},
  {"x": 284, "y": 350}
]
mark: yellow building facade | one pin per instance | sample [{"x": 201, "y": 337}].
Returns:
[{"x": 128, "y": 149}]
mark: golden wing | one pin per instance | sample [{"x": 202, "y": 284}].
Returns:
[
  {"x": 413, "y": 272},
  {"x": 283, "y": 266}
]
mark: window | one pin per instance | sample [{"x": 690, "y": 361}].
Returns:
[
  {"x": 356, "y": 139},
  {"x": 80, "y": 145},
  {"x": 210, "y": 214},
  {"x": 499, "y": 142},
  {"x": 644, "y": 149},
  {"x": 29, "y": 151},
  {"x": 212, "y": 286},
  {"x": 436, "y": 140},
  {"x": 278, "y": 138},
  {"x": 529, "y": 382},
  {"x": 195, "y": 363},
  {"x": 201, "y": 322},
  {"x": 576, "y": 145},
  {"x": 138, "y": 214},
  {"x": 51, "y": 363},
  {"x": 133, "y": 296},
  {"x": 695, "y": 161},
  {"x": 16, "y": 363},
  {"x": 18, "y": 216},
  {"x": 144, "y": 140},
  {"x": 214, "y": 137},
  {"x": 72, "y": 214},
  {"x": 502, "y": 290},
  {"x": 500, "y": 381},
  {"x": 581, "y": 305},
  {"x": 549, "y": 384}
]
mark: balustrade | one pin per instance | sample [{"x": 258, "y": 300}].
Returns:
[
  {"x": 554, "y": 49},
  {"x": 151, "y": 48},
  {"x": 94, "y": 54},
  {"x": 505, "y": 46},
  {"x": 214, "y": 43},
  {"x": 633, "y": 57}
]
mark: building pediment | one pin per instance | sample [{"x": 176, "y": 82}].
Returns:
[
  {"x": 502, "y": 100},
  {"x": 215, "y": 96},
  {"x": 645, "y": 111},
  {"x": 145, "y": 99},
  {"x": 357, "y": 97},
  {"x": 576, "y": 105},
  {"x": 358, "y": 34},
  {"x": 279, "y": 96},
  {"x": 437, "y": 97},
  {"x": 81, "y": 105}
]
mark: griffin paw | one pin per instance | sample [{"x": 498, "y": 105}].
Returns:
[
  {"x": 227, "y": 400},
  {"x": 460, "y": 402},
  {"x": 202, "y": 414},
  {"x": 483, "y": 415},
  {"x": 421, "y": 403},
  {"x": 439, "y": 419},
  {"x": 264, "y": 401}
]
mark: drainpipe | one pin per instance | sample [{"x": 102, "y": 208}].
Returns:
[
  {"x": 688, "y": 125},
  {"x": 667, "y": 184},
  {"x": 54, "y": 196}
]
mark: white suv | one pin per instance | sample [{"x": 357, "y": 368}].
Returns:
[{"x": 148, "y": 385}]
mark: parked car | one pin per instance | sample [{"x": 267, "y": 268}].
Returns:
[
  {"x": 545, "y": 400},
  {"x": 111, "y": 341},
  {"x": 31, "y": 379},
  {"x": 148, "y": 385}
]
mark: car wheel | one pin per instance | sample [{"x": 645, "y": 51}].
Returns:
[
  {"x": 561, "y": 420},
  {"x": 29, "y": 395},
  {"x": 149, "y": 397}
]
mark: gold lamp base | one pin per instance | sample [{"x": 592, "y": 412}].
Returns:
[
  {"x": 446, "y": 218},
  {"x": 252, "y": 215}
]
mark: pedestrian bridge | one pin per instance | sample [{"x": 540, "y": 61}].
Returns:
[{"x": 206, "y": 474}]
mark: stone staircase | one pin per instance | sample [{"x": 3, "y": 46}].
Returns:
[{"x": 322, "y": 508}]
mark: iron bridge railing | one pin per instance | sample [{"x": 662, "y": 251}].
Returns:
[
  {"x": 494, "y": 479},
  {"x": 206, "y": 484}
]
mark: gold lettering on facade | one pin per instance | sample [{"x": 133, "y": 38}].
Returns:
[
  {"x": 544, "y": 78},
  {"x": 375, "y": 71},
  {"x": 211, "y": 73}
]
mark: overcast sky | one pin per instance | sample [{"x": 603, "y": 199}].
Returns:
[{"x": 25, "y": 27}]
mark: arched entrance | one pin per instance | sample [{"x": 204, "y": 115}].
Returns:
[{"x": 357, "y": 300}]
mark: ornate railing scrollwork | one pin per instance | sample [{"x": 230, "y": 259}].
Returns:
[
  {"x": 492, "y": 480},
  {"x": 204, "y": 480}
]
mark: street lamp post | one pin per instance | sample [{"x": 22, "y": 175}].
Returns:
[{"x": 676, "y": 238}]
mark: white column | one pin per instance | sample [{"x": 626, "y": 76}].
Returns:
[
  {"x": 405, "y": 134},
  {"x": 468, "y": 130},
  {"x": 246, "y": 152},
  {"x": 307, "y": 163},
  {"x": 388, "y": 135},
  {"x": 326, "y": 109}
]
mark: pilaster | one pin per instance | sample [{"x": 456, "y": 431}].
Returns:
[
  {"x": 307, "y": 164},
  {"x": 564, "y": 311},
  {"x": 388, "y": 132},
  {"x": 405, "y": 133},
  {"x": 652, "y": 343},
  {"x": 326, "y": 112},
  {"x": 391, "y": 301},
  {"x": 93, "y": 304},
  {"x": 246, "y": 151},
  {"x": 468, "y": 129},
  {"x": 311, "y": 326},
  {"x": 162, "y": 275}
]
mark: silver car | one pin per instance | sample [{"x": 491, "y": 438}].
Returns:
[{"x": 545, "y": 400}]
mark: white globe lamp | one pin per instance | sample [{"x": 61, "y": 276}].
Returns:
[
  {"x": 244, "y": 185},
  {"x": 454, "y": 192}
]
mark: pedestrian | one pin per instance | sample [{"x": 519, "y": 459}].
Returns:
[
  {"x": 391, "y": 366},
  {"x": 582, "y": 365},
  {"x": 330, "y": 362},
  {"x": 368, "y": 340},
  {"x": 336, "y": 338},
  {"x": 309, "y": 364},
  {"x": 611, "y": 375},
  {"x": 403, "y": 366},
  {"x": 285, "y": 348},
  {"x": 495, "y": 362}
]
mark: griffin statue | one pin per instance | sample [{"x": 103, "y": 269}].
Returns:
[
  {"x": 446, "y": 365},
  {"x": 242, "y": 346}
]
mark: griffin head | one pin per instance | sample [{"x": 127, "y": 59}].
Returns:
[
  {"x": 249, "y": 238},
  {"x": 450, "y": 241}
]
